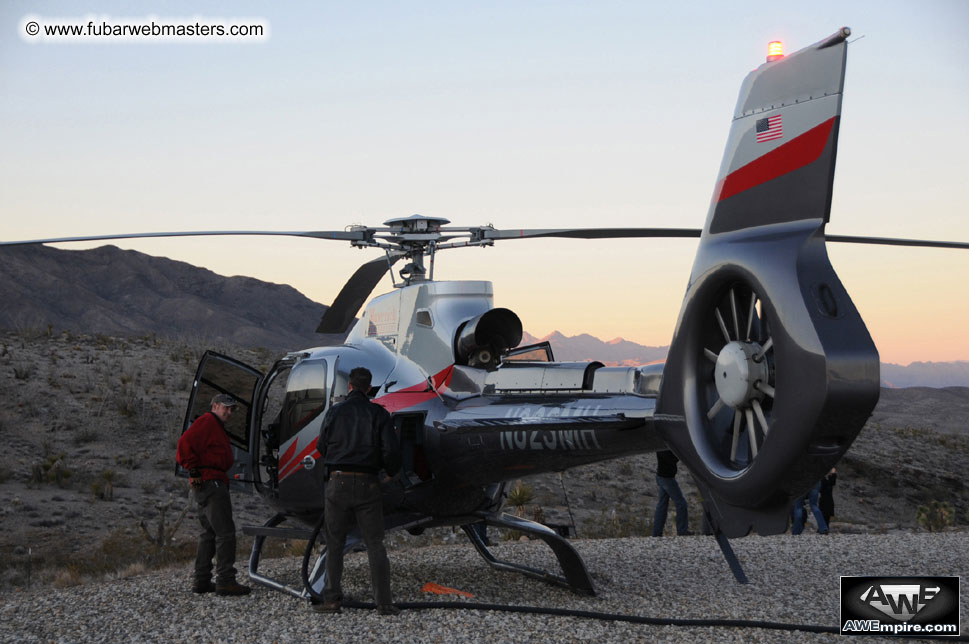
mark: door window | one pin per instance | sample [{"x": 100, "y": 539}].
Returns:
[
  {"x": 218, "y": 374},
  {"x": 305, "y": 399}
]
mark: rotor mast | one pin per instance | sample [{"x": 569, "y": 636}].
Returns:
[{"x": 414, "y": 237}]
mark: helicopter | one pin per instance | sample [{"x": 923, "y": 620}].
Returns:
[{"x": 770, "y": 376}]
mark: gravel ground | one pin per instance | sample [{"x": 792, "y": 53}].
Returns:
[{"x": 793, "y": 580}]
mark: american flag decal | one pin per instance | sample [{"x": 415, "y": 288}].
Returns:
[{"x": 769, "y": 128}]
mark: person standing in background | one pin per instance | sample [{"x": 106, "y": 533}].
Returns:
[{"x": 669, "y": 489}]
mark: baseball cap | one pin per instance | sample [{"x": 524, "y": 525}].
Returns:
[{"x": 225, "y": 399}]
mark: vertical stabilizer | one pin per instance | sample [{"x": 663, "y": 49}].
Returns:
[
  {"x": 779, "y": 161},
  {"x": 771, "y": 372}
]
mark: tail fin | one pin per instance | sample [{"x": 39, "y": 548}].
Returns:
[
  {"x": 779, "y": 162},
  {"x": 771, "y": 372}
]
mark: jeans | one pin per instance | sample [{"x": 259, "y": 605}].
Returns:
[
  {"x": 218, "y": 536},
  {"x": 348, "y": 497},
  {"x": 797, "y": 525},
  {"x": 669, "y": 488}
]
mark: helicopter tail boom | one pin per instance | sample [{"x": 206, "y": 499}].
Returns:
[{"x": 771, "y": 371}]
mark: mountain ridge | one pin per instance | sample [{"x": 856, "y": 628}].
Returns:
[
  {"x": 109, "y": 290},
  {"x": 114, "y": 291}
]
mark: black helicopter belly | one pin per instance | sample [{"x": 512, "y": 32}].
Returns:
[{"x": 484, "y": 450}]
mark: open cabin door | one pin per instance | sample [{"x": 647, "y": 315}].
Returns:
[{"x": 219, "y": 374}]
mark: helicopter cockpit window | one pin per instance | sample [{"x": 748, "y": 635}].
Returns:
[
  {"x": 539, "y": 352},
  {"x": 305, "y": 399}
]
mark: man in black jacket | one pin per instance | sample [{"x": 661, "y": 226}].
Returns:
[{"x": 356, "y": 442}]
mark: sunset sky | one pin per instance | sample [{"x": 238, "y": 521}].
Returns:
[{"x": 519, "y": 114}]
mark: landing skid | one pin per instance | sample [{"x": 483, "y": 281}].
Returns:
[
  {"x": 261, "y": 533},
  {"x": 270, "y": 529},
  {"x": 576, "y": 578}
]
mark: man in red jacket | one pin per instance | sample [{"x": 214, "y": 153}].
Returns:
[{"x": 204, "y": 450}]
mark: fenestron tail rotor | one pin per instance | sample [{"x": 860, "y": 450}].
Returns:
[{"x": 738, "y": 381}]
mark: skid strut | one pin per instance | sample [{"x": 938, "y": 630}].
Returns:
[
  {"x": 576, "y": 576},
  {"x": 270, "y": 529}
]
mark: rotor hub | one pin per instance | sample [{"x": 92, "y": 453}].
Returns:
[{"x": 740, "y": 366}]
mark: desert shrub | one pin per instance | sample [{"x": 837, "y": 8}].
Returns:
[
  {"x": 5, "y": 473},
  {"x": 28, "y": 333},
  {"x": 87, "y": 435},
  {"x": 52, "y": 469},
  {"x": 617, "y": 522},
  {"x": 29, "y": 408},
  {"x": 120, "y": 550},
  {"x": 24, "y": 370},
  {"x": 129, "y": 462},
  {"x": 126, "y": 402},
  {"x": 936, "y": 516},
  {"x": 164, "y": 533},
  {"x": 520, "y": 496},
  {"x": 102, "y": 487},
  {"x": 66, "y": 578},
  {"x": 132, "y": 570}
]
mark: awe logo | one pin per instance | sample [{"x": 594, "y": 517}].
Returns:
[
  {"x": 900, "y": 606},
  {"x": 901, "y": 601}
]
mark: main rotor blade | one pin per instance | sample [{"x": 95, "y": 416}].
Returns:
[
  {"x": 341, "y": 235},
  {"x": 895, "y": 241},
  {"x": 354, "y": 293},
  {"x": 590, "y": 233},
  {"x": 367, "y": 235},
  {"x": 609, "y": 233}
]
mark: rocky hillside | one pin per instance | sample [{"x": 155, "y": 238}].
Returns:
[
  {"x": 89, "y": 425},
  {"x": 123, "y": 292},
  {"x": 116, "y": 292}
]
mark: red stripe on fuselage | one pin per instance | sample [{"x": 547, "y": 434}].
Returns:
[
  {"x": 296, "y": 463},
  {"x": 796, "y": 153},
  {"x": 393, "y": 402},
  {"x": 415, "y": 394},
  {"x": 288, "y": 454}
]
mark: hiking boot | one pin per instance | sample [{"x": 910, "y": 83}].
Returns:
[
  {"x": 388, "y": 609},
  {"x": 201, "y": 587},
  {"x": 232, "y": 588},
  {"x": 327, "y": 608}
]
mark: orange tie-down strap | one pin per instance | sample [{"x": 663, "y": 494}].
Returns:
[{"x": 438, "y": 589}]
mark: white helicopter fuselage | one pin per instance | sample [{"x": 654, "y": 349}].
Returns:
[{"x": 470, "y": 425}]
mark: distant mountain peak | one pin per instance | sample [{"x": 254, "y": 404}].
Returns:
[
  {"x": 114, "y": 291},
  {"x": 584, "y": 346}
]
